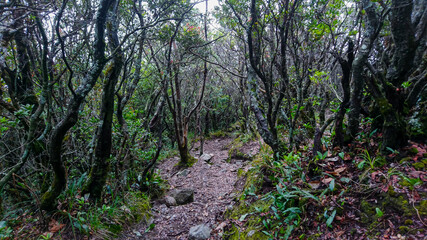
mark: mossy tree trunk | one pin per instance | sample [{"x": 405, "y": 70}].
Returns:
[
  {"x": 99, "y": 172},
  {"x": 345, "y": 84},
  {"x": 71, "y": 117},
  {"x": 358, "y": 81}
]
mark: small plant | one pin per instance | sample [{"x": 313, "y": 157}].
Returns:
[
  {"x": 321, "y": 156},
  {"x": 379, "y": 212},
  {"x": 330, "y": 218},
  {"x": 372, "y": 162},
  {"x": 47, "y": 237},
  {"x": 394, "y": 152}
]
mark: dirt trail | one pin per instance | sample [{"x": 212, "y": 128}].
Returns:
[{"x": 214, "y": 187}]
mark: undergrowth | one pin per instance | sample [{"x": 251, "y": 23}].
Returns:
[{"x": 354, "y": 192}]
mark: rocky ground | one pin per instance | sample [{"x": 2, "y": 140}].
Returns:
[{"x": 209, "y": 187}]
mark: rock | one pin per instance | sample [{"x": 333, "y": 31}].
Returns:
[
  {"x": 184, "y": 173},
  {"x": 138, "y": 234},
  {"x": 170, "y": 201},
  {"x": 199, "y": 232},
  {"x": 183, "y": 196},
  {"x": 206, "y": 157}
]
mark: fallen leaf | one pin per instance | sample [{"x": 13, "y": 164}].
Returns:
[
  {"x": 327, "y": 180},
  {"x": 314, "y": 184},
  {"x": 340, "y": 170},
  {"x": 54, "y": 226},
  {"x": 347, "y": 157},
  {"x": 415, "y": 174}
]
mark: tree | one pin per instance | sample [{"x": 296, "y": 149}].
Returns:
[
  {"x": 101, "y": 167},
  {"x": 61, "y": 129},
  {"x": 397, "y": 77}
]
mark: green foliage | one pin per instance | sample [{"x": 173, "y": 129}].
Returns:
[
  {"x": 371, "y": 162},
  {"x": 5, "y": 231}
]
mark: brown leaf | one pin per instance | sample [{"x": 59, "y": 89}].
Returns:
[
  {"x": 347, "y": 157},
  {"x": 314, "y": 184},
  {"x": 340, "y": 170},
  {"x": 415, "y": 174},
  {"x": 54, "y": 226},
  {"x": 326, "y": 180}
]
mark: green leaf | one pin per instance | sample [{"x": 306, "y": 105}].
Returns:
[
  {"x": 242, "y": 218},
  {"x": 344, "y": 179},
  {"x": 360, "y": 165},
  {"x": 331, "y": 218},
  {"x": 3, "y": 224},
  {"x": 341, "y": 155},
  {"x": 379, "y": 212},
  {"x": 332, "y": 185},
  {"x": 150, "y": 227}
]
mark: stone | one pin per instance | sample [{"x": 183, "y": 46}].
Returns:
[
  {"x": 184, "y": 173},
  {"x": 170, "y": 201},
  {"x": 199, "y": 232},
  {"x": 206, "y": 157},
  {"x": 183, "y": 196}
]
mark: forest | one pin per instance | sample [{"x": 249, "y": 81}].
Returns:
[{"x": 213, "y": 119}]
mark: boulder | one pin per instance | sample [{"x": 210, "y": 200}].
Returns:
[
  {"x": 199, "y": 232},
  {"x": 170, "y": 201},
  {"x": 183, "y": 196},
  {"x": 206, "y": 157}
]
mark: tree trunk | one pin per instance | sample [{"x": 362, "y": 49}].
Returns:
[
  {"x": 101, "y": 167},
  {"x": 61, "y": 129},
  {"x": 358, "y": 81},
  {"x": 345, "y": 83}
]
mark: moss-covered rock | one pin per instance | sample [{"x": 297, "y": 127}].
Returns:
[
  {"x": 253, "y": 225},
  {"x": 139, "y": 206}
]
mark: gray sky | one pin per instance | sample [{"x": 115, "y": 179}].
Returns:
[{"x": 211, "y": 5}]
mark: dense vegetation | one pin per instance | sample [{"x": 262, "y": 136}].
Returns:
[{"x": 94, "y": 93}]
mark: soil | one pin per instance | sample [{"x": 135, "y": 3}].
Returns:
[{"x": 215, "y": 186}]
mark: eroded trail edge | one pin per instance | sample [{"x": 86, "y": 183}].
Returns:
[{"x": 215, "y": 184}]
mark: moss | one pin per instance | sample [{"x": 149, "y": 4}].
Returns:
[
  {"x": 368, "y": 211},
  {"x": 97, "y": 179},
  {"x": 218, "y": 134},
  {"x": 391, "y": 191},
  {"x": 422, "y": 208},
  {"x": 252, "y": 227},
  {"x": 139, "y": 206},
  {"x": 189, "y": 162},
  {"x": 240, "y": 172},
  {"x": 405, "y": 160},
  {"x": 425, "y": 154},
  {"x": 252, "y": 224},
  {"x": 409, "y": 222},
  {"x": 413, "y": 150},
  {"x": 403, "y": 229},
  {"x": 419, "y": 166},
  {"x": 315, "y": 236}
]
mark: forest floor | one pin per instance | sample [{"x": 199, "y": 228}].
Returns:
[{"x": 215, "y": 184}]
